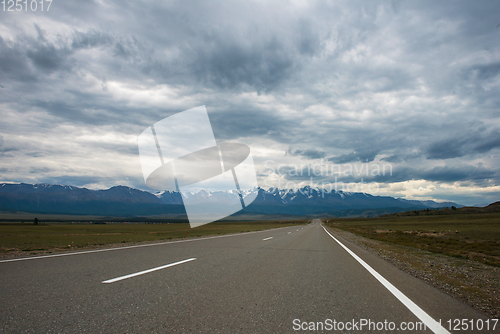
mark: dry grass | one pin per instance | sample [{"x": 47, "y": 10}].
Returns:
[
  {"x": 474, "y": 282},
  {"x": 50, "y": 237},
  {"x": 467, "y": 236}
]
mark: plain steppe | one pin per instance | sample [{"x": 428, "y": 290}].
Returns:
[
  {"x": 246, "y": 283},
  {"x": 457, "y": 251}
]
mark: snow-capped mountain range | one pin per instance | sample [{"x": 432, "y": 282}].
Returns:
[{"x": 126, "y": 201}]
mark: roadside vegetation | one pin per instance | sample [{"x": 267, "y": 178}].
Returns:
[
  {"x": 469, "y": 236},
  {"x": 19, "y": 238},
  {"x": 456, "y": 251}
]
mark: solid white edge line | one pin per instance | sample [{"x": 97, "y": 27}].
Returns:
[
  {"x": 146, "y": 271},
  {"x": 136, "y": 246},
  {"x": 267, "y": 238},
  {"x": 432, "y": 324}
]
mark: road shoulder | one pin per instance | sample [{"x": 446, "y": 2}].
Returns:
[{"x": 473, "y": 283}]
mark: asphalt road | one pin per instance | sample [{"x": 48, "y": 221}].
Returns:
[{"x": 264, "y": 282}]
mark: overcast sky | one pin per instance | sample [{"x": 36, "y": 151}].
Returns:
[{"x": 355, "y": 84}]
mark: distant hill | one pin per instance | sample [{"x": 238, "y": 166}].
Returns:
[
  {"x": 121, "y": 201},
  {"x": 491, "y": 208}
]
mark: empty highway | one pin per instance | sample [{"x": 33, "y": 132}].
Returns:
[{"x": 286, "y": 280}]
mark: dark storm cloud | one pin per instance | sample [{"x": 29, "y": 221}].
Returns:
[
  {"x": 402, "y": 157},
  {"x": 89, "y": 111},
  {"x": 464, "y": 145},
  {"x": 38, "y": 170},
  {"x": 307, "y": 153},
  {"x": 250, "y": 122},
  {"x": 485, "y": 72},
  {"x": 447, "y": 174},
  {"x": 228, "y": 64},
  {"x": 365, "y": 156},
  {"x": 5, "y": 148},
  {"x": 460, "y": 173},
  {"x": 446, "y": 149},
  {"x": 487, "y": 143},
  {"x": 13, "y": 63},
  {"x": 309, "y": 42},
  {"x": 28, "y": 59},
  {"x": 46, "y": 56},
  {"x": 218, "y": 45},
  {"x": 90, "y": 39},
  {"x": 349, "y": 81}
]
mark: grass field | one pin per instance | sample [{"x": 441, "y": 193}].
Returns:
[
  {"x": 471, "y": 236},
  {"x": 16, "y": 237}
]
